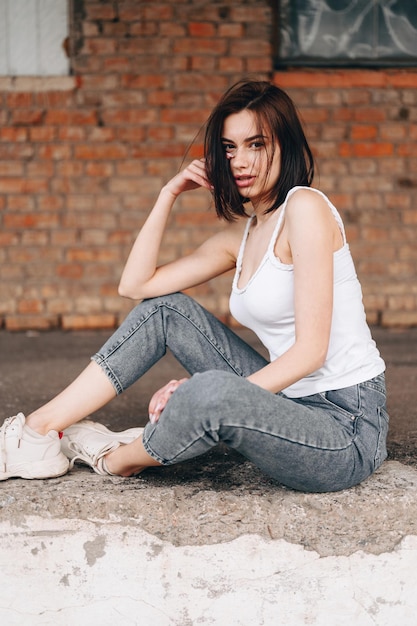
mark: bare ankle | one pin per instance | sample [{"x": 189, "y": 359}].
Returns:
[
  {"x": 114, "y": 466},
  {"x": 37, "y": 423}
]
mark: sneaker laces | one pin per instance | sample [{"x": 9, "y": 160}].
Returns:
[
  {"x": 85, "y": 455},
  {"x": 3, "y": 430}
]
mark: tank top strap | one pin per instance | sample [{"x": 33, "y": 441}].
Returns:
[{"x": 241, "y": 252}]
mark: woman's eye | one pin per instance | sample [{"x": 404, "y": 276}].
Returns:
[{"x": 257, "y": 145}]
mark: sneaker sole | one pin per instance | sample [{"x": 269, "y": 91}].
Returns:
[{"x": 49, "y": 468}]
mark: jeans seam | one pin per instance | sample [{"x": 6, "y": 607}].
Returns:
[
  {"x": 154, "y": 310},
  {"x": 208, "y": 338}
]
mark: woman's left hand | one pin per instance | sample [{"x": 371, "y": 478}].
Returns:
[{"x": 160, "y": 399}]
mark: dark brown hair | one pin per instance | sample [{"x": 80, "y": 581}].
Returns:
[{"x": 276, "y": 113}]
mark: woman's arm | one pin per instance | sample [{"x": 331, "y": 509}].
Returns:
[
  {"x": 312, "y": 235},
  {"x": 142, "y": 278}
]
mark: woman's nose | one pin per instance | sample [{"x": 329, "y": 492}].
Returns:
[{"x": 238, "y": 157}]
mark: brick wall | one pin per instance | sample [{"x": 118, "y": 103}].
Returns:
[{"x": 82, "y": 157}]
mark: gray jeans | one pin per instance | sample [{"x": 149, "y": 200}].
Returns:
[{"x": 322, "y": 442}]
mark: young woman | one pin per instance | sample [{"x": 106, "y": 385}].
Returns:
[{"x": 313, "y": 417}]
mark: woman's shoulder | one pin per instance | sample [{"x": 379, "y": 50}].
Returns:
[
  {"x": 301, "y": 198},
  {"x": 310, "y": 209},
  {"x": 306, "y": 194}
]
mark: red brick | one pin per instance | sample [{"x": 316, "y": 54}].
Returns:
[
  {"x": 201, "y": 29},
  {"x": 84, "y": 256},
  {"x": 143, "y": 81},
  {"x": 50, "y": 203},
  {"x": 42, "y": 133},
  {"x": 148, "y": 48},
  {"x": 27, "y": 118},
  {"x": 100, "y": 152},
  {"x": 70, "y": 118},
  {"x": 22, "y": 221},
  {"x": 21, "y": 203},
  {"x": 99, "y": 169},
  {"x": 393, "y": 132},
  {"x": 407, "y": 150},
  {"x": 71, "y": 169},
  {"x": 100, "y": 11},
  {"x": 161, "y": 133},
  {"x": 26, "y": 307},
  {"x": 22, "y": 185},
  {"x": 55, "y": 152},
  {"x": 131, "y": 135},
  {"x": 30, "y": 322},
  {"x": 230, "y": 30},
  {"x": 97, "y": 46},
  {"x": 8, "y": 239},
  {"x": 11, "y": 169},
  {"x": 155, "y": 151},
  {"x": 40, "y": 169},
  {"x": 130, "y": 167},
  {"x": 164, "y": 98},
  {"x": 402, "y": 79},
  {"x": 94, "y": 321},
  {"x": 231, "y": 64},
  {"x": 70, "y": 270},
  {"x": 19, "y": 100},
  {"x": 330, "y": 78},
  {"x": 250, "y": 14},
  {"x": 116, "y": 64},
  {"x": 50, "y": 99},
  {"x": 261, "y": 65},
  {"x": 130, "y": 117},
  {"x": 213, "y": 46},
  {"x": 13, "y": 134},
  {"x": 369, "y": 114},
  {"x": 100, "y": 82},
  {"x": 363, "y": 132},
  {"x": 359, "y": 150},
  {"x": 153, "y": 12},
  {"x": 99, "y": 133},
  {"x": 72, "y": 133}
]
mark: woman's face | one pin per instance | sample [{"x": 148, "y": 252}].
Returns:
[{"x": 249, "y": 153}]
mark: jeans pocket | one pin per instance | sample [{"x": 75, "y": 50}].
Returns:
[{"x": 345, "y": 405}]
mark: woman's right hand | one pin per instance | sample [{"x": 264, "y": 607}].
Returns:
[
  {"x": 192, "y": 177},
  {"x": 160, "y": 399}
]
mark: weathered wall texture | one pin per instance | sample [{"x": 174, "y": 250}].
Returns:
[{"x": 82, "y": 157}]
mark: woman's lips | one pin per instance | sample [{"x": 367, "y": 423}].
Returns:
[{"x": 244, "y": 181}]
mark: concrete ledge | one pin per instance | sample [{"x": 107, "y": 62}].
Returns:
[
  {"x": 208, "y": 543},
  {"x": 220, "y": 499}
]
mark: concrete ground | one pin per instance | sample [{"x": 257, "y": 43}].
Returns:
[{"x": 211, "y": 541}]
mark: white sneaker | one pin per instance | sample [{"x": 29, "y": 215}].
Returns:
[
  {"x": 26, "y": 454},
  {"x": 88, "y": 442}
]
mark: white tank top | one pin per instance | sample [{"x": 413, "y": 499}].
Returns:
[{"x": 266, "y": 306}]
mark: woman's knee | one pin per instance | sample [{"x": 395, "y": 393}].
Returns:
[{"x": 204, "y": 396}]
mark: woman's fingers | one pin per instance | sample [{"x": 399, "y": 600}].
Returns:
[
  {"x": 192, "y": 177},
  {"x": 160, "y": 399}
]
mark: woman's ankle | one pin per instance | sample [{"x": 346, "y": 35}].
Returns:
[
  {"x": 38, "y": 423},
  {"x": 113, "y": 466}
]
